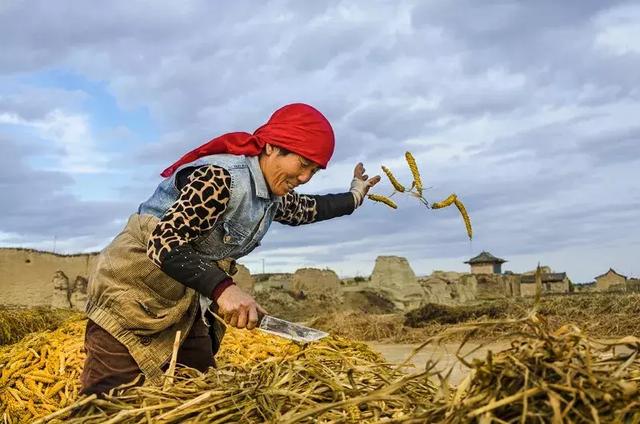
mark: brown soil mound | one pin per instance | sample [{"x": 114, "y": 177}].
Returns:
[
  {"x": 287, "y": 305},
  {"x": 445, "y": 314},
  {"x": 367, "y": 301}
]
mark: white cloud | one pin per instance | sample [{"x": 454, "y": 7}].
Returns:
[
  {"x": 528, "y": 111},
  {"x": 71, "y": 133},
  {"x": 619, "y": 30}
]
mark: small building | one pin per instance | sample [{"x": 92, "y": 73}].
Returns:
[
  {"x": 485, "y": 263},
  {"x": 552, "y": 282},
  {"x": 610, "y": 280}
]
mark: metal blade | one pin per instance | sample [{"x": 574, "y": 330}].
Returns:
[{"x": 289, "y": 330}]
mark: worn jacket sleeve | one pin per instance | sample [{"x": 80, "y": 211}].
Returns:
[
  {"x": 204, "y": 195},
  {"x": 297, "y": 209}
]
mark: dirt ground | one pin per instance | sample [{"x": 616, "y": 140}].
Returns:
[{"x": 444, "y": 354}]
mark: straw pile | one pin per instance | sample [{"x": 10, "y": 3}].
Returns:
[
  {"x": 558, "y": 376},
  {"x": 16, "y": 322},
  {"x": 599, "y": 314},
  {"x": 359, "y": 326},
  {"x": 446, "y": 314}
]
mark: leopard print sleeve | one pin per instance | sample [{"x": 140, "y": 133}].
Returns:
[
  {"x": 298, "y": 209},
  {"x": 203, "y": 199}
]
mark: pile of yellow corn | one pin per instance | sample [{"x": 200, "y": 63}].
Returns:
[{"x": 40, "y": 374}]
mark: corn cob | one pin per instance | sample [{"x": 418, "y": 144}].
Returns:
[
  {"x": 383, "y": 199},
  {"x": 446, "y": 202},
  {"x": 53, "y": 390},
  {"x": 465, "y": 217},
  {"x": 394, "y": 182},
  {"x": 414, "y": 171}
]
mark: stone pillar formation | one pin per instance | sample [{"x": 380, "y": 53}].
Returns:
[{"x": 393, "y": 277}]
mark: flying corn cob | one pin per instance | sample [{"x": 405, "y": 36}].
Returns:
[
  {"x": 465, "y": 217},
  {"x": 383, "y": 199},
  {"x": 394, "y": 182},
  {"x": 446, "y": 202},
  {"x": 417, "y": 181}
]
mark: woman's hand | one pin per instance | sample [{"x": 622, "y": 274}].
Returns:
[
  {"x": 238, "y": 308},
  {"x": 361, "y": 183}
]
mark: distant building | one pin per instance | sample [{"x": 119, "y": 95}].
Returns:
[
  {"x": 485, "y": 263},
  {"x": 610, "y": 280},
  {"x": 552, "y": 282}
]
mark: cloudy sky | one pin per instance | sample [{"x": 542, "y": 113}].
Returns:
[{"x": 529, "y": 111}]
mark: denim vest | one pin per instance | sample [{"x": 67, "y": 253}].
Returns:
[{"x": 248, "y": 215}]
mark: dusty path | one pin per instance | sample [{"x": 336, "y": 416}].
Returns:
[{"x": 444, "y": 354}]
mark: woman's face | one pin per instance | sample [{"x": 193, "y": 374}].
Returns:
[{"x": 284, "y": 172}]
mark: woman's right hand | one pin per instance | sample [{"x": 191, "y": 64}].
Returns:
[{"x": 238, "y": 308}]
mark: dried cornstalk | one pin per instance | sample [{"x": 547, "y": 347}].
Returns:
[{"x": 549, "y": 376}]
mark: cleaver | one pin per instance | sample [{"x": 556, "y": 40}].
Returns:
[
  {"x": 283, "y": 328},
  {"x": 289, "y": 330}
]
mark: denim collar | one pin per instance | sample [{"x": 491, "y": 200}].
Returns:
[{"x": 258, "y": 180}]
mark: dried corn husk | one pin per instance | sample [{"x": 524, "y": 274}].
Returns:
[{"x": 550, "y": 376}]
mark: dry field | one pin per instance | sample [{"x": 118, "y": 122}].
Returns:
[
  {"x": 598, "y": 314},
  {"x": 545, "y": 369}
]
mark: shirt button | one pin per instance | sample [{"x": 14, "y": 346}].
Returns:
[
  {"x": 146, "y": 340},
  {"x": 226, "y": 238}
]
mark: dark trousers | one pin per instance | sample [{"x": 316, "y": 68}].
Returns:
[{"x": 109, "y": 363}]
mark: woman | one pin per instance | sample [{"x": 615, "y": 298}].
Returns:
[{"x": 175, "y": 257}]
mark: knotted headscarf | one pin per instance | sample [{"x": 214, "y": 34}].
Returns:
[{"x": 297, "y": 127}]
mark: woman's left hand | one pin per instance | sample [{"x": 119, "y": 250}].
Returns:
[{"x": 361, "y": 183}]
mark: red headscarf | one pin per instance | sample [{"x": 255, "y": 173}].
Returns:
[{"x": 297, "y": 127}]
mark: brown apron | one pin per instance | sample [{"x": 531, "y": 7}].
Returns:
[{"x": 109, "y": 363}]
